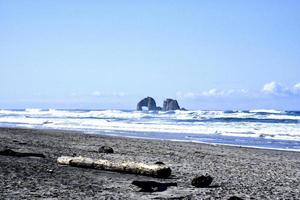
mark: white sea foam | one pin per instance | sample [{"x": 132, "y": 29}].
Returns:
[
  {"x": 32, "y": 110},
  {"x": 283, "y": 117},
  {"x": 23, "y": 120},
  {"x": 179, "y": 122},
  {"x": 266, "y": 111}
]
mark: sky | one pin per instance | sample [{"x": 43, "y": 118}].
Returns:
[{"x": 110, "y": 54}]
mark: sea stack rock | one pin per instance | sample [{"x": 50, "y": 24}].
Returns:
[
  {"x": 148, "y": 102},
  {"x": 171, "y": 104}
]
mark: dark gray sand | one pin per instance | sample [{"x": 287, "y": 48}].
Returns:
[{"x": 243, "y": 172}]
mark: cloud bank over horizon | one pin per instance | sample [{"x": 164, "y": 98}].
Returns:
[
  {"x": 271, "y": 95},
  {"x": 275, "y": 88},
  {"x": 272, "y": 88}
]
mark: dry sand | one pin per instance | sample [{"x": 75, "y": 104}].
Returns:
[{"x": 243, "y": 172}]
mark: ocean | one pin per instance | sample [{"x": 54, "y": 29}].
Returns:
[{"x": 271, "y": 129}]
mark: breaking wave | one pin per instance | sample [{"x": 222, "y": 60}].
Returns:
[{"x": 269, "y": 125}]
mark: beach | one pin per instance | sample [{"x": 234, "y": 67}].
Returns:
[{"x": 247, "y": 173}]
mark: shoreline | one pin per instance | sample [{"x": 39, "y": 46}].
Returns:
[
  {"x": 148, "y": 138},
  {"x": 113, "y": 134},
  {"x": 237, "y": 171},
  {"x": 197, "y": 142}
]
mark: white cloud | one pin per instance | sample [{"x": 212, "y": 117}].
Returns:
[
  {"x": 273, "y": 88},
  {"x": 74, "y": 94},
  {"x": 244, "y": 91},
  {"x": 278, "y": 89},
  {"x": 211, "y": 93},
  {"x": 186, "y": 95},
  {"x": 114, "y": 94},
  {"x": 214, "y": 93},
  {"x": 119, "y": 94},
  {"x": 296, "y": 88},
  {"x": 97, "y": 94}
]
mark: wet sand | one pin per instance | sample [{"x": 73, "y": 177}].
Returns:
[{"x": 244, "y": 172}]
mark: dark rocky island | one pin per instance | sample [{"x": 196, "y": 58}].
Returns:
[
  {"x": 149, "y": 102},
  {"x": 171, "y": 104}
]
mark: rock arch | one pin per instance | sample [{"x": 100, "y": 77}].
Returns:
[{"x": 148, "y": 102}]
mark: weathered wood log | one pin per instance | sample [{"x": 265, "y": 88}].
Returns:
[{"x": 160, "y": 171}]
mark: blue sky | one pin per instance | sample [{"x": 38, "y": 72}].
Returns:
[{"x": 109, "y": 54}]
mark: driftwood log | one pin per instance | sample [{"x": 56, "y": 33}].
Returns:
[
  {"x": 160, "y": 171},
  {"x": 9, "y": 152}
]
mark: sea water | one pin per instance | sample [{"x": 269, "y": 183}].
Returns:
[{"x": 253, "y": 128}]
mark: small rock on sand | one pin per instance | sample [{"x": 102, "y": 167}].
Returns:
[
  {"x": 159, "y": 163},
  {"x": 105, "y": 149},
  {"x": 202, "y": 181},
  {"x": 235, "y": 198},
  {"x": 152, "y": 186}
]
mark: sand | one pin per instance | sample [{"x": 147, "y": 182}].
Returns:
[{"x": 244, "y": 172}]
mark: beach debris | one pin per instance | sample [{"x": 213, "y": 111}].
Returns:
[
  {"x": 105, "y": 149},
  {"x": 235, "y": 198},
  {"x": 47, "y": 122},
  {"x": 202, "y": 181},
  {"x": 50, "y": 171},
  {"x": 152, "y": 186},
  {"x": 9, "y": 152},
  {"x": 20, "y": 142},
  {"x": 160, "y": 171},
  {"x": 159, "y": 163}
]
